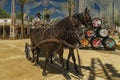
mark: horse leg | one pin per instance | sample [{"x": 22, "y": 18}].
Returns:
[
  {"x": 33, "y": 54},
  {"x": 63, "y": 66},
  {"x": 37, "y": 56},
  {"x": 51, "y": 56},
  {"x": 74, "y": 61},
  {"x": 61, "y": 58},
  {"x": 46, "y": 61},
  {"x": 27, "y": 51},
  {"x": 71, "y": 53},
  {"x": 67, "y": 62},
  {"x": 33, "y": 49}
]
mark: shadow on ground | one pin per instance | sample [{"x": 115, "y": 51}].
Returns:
[
  {"x": 56, "y": 68},
  {"x": 112, "y": 70}
]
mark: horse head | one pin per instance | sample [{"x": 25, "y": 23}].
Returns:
[
  {"x": 79, "y": 19},
  {"x": 74, "y": 20},
  {"x": 85, "y": 18},
  {"x": 67, "y": 25}
]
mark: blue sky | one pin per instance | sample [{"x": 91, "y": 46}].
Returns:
[{"x": 39, "y": 8}]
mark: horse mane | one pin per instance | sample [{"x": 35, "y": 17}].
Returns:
[
  {"x": 80, "y": 16},
  {"x": 62, "y": 23}
]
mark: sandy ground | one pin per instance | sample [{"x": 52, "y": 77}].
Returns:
[{"x": 95, "y": 64}]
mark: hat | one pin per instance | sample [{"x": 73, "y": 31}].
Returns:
[
  {"x": 47, "y": 15},
  {"x": 38, "y": 14}
]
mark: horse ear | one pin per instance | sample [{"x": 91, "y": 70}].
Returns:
[{"x": 86, "y": 10}]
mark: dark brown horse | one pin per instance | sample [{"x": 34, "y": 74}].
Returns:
[
  {"x": 64, "y": 29},
  {"x": 85, "y": 20},
  {"x": 52, "y": 40}
]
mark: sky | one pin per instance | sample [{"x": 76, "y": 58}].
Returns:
[
  {"x": 31, "y": 9},
  {"x": 54, "y": 7}
]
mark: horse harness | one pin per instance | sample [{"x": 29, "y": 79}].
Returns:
[{"x": 56, "y": 39}]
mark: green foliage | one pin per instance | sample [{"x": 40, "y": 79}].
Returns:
[
  {"x": 31, "y": 18},
  {"x": 4, "y": 14},
  {"x": 18, "y": 15}
]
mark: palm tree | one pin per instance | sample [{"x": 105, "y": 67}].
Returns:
[
  {"x": 22, "y": 3},
  {"x": 73, "y": 6},
  {"x": 69, "y": 7}
]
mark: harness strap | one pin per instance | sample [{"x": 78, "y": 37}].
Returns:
[
  {"x": 58, "y": 49},
  {"x": 47, "y": 41},
  {"x": 54, "y": 41},
  {"x": 44, "y": 33},
  {"x": 66, "y": 43},
  {"x": 69, "y": 45}
]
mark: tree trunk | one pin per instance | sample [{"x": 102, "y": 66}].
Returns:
[
  {"x": 22, "y": 21},
  {"x": 119, "y": 34},
  {"x": 69, "y": 7}
]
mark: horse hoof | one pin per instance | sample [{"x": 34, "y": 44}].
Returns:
[
  {"x": 32, "y": 60},
  {"x": 80, "y": 74},
  {"x": 44, "y": 73},
  {"x": 28, "y": 58},
  {"x": 67, "y": 76},
  {"x": 36, "y": 64}
]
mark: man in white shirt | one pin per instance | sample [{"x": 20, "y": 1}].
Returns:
[
  {"x": 37, "y": 21},
  {"x": 48, "y": 22}
]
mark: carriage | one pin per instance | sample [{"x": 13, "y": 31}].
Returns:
[
  {"x": 65, "y": 33},
  {"x": 53, "y": 40}
]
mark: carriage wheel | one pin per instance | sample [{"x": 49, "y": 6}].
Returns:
[
  {"x": 109, "y": 43},
  {"x": 27, "y": 53}
]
